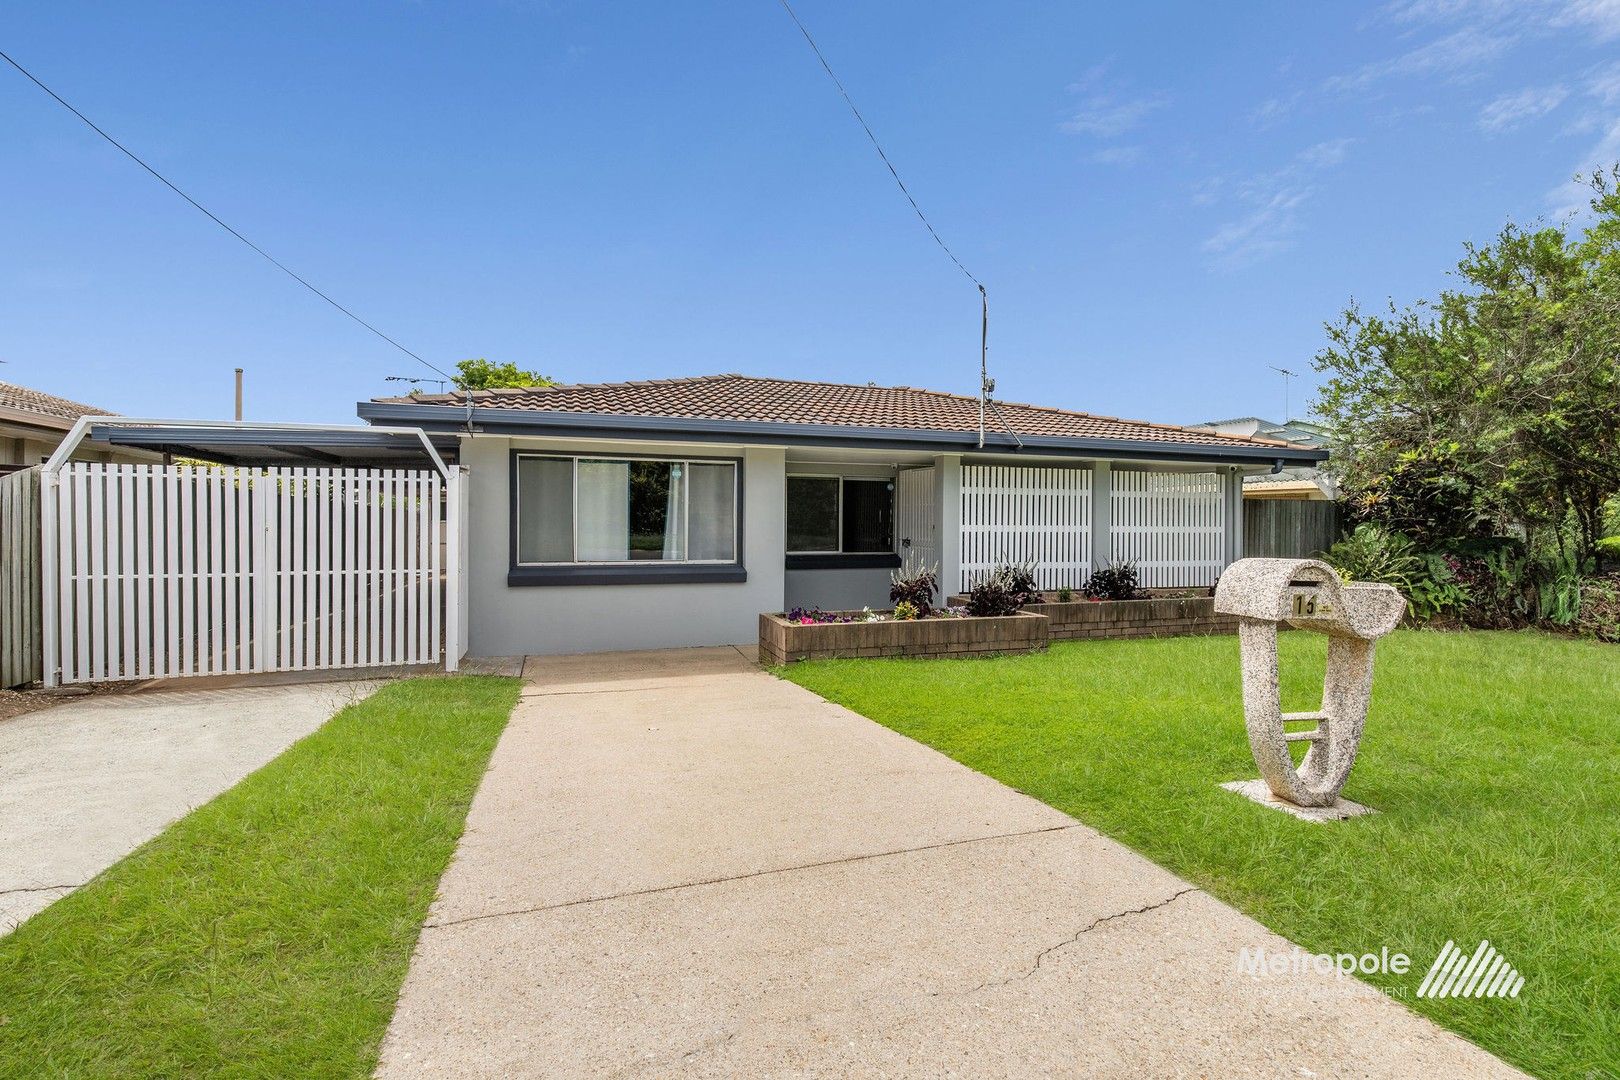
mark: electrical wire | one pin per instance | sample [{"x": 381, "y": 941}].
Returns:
[
  {"x": 878, "y": 146},
  {"x": 215, "y": 219}
]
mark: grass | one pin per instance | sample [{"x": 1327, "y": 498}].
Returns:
[
  {"x": 267, "y": 933},
  {"x": 1494, "y": 758}
]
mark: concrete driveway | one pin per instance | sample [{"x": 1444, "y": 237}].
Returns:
[
  {"x": 85, "y": 783},
  {"x": 681, "y": 865}
]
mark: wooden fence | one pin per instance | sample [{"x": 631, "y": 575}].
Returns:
[
  {"x": 1288, "y": 528},
  {"x": 1171, "y": 525},
  {"x": 20, "y": 639}
]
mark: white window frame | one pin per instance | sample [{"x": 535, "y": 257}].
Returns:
[{"x": 573, "y": 511}]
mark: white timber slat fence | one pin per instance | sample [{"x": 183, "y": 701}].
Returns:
[
  {"x": 171, "y": 571},
  {"x": 1023, "y": 514},
  {"x": 1171, "y": 525},
  {"x": 20, "y": 634}
]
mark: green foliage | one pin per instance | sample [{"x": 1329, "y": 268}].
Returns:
[
  {"x": 267, "y": 933},
  {"x": 481, "y": 374},
  {"x": 1493, "y": 404},
  {"x": 1373, "y": 553},
  {"x": 1116, "y": 582},
  {"x": 1428, "y": 580},
  {"x": 1609, "y": 547},
  {"x": 905, "y": 611},
  {"x": 1559, "y": 591},
  {"x": 1599, "y": 614},
  {"x": 1004, "y": 591},
  {"x": 914, "y": 585},
  {"x": 1065, "y": 595},
  {"x": 1498, "y": 583}
]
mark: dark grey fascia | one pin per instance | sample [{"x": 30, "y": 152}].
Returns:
[{"x": 455, "y": 419}]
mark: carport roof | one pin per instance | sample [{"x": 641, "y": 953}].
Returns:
[{"x": 256, "y": 444}]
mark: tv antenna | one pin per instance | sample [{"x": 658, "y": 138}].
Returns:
[
  {"x": 1286, "y": 374},
  {"x": 441, "y": 383}
]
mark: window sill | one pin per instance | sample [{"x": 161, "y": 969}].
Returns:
[
  {"x": 860, "y": 560},
  {"x": 679, "y": 574}
]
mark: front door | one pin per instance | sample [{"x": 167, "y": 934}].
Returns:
[{"x": 917, "y": 517}]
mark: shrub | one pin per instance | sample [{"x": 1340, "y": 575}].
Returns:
[
  {"x": 1004, "y": 591},
  {"x": 1497, "y": 585},
  {"x": 1373, "y": 553},
  {"x": 1598, "y": 614},
  {"x": 1558, "y": 588},
  {"x": 905, "y": 611},
  {"x": 1116, "y": 582},
  {"x": 1065, "y": 595},
  {"x": 915, "y": 585},
  {"x": 1608, "y": 548}
]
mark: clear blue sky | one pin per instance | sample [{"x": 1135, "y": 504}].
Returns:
[{"x": 1164, "y": 199}]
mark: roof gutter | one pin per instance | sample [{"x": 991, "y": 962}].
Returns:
[{"x": 455, "y": 419}]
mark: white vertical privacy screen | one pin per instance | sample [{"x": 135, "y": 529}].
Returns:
[
  {"x": 172, "y": 571},
  {"x": 1171, "y": 525},
  {"x": 1023, "y": 514}
]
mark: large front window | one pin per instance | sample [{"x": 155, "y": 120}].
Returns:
[
  {"x": 612, "y": 510},
  {"x": 833, "y": 514}
]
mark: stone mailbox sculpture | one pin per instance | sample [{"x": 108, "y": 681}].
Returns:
[{"x": 1307, "y": 595}]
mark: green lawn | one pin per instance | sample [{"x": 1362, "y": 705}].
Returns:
[
  {"x": 267, "y": 933},
  {"x": 1494, "y": 758}
]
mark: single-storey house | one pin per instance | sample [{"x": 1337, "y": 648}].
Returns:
[
  {"x": 1302, "y": 483},
  {"x": 33, "y": 423},
  {"x": 672, "y": 512}
]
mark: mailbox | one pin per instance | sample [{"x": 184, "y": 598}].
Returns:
[{"x": 1307, "y": 595}]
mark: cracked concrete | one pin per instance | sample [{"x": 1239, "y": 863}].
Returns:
[
  {"x": 1040, "y": 957},
  {"x": 84, "y": 783},
  {"x": 728, "y": 876}
]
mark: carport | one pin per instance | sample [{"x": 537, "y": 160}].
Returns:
[{"x": 255, "y": 548}]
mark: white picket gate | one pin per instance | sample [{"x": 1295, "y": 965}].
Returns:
[
  {"x": 1171, "y": 525},
  {"x": 168, "y": 571},
  {"x": 1016, "y": 513}
]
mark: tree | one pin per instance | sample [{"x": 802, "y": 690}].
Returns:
[
  {"x": 482, "y": 375},
  {"x": 1494, "y": 404}
]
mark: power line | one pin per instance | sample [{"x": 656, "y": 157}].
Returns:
[
  {"x": 986, "y": 385},
  {"x": 878, "y": 146},
  {"x": 215, "y": 219}
]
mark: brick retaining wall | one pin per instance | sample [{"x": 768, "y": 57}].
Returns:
[
  {"x": 782, "y": 642},
  {"x": 1162, "y": 617}
]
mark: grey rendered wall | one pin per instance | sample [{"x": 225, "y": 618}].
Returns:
[
  {"x": 837, "y": 590},
  {"x": 506, "y": 620}
]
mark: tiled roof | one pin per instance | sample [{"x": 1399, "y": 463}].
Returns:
[
  {"x": 21, "y": 399},
  {"x": 787, "y": 401}
]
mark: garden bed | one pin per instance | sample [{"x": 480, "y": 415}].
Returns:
[
  {"x": 784, "y": 642},
  {"x": 1158, "y": 617}
]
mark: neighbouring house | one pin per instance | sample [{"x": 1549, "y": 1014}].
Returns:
[
  {"x": 1295, "y": 482},
  {"x": 33, "y": 423},
  {"x": 672, "y": 512}
]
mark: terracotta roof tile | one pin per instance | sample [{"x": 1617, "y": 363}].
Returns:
[
  {"x": 24, "y": 400},
  {"x": 787, "y": 401}
]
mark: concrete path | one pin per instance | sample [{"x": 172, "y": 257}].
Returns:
[
  {"x": 679, "y": 865},
  {"x": 85, "y": 783}
]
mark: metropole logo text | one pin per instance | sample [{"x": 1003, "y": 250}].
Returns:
[{"x": 1484, "y": 973}]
